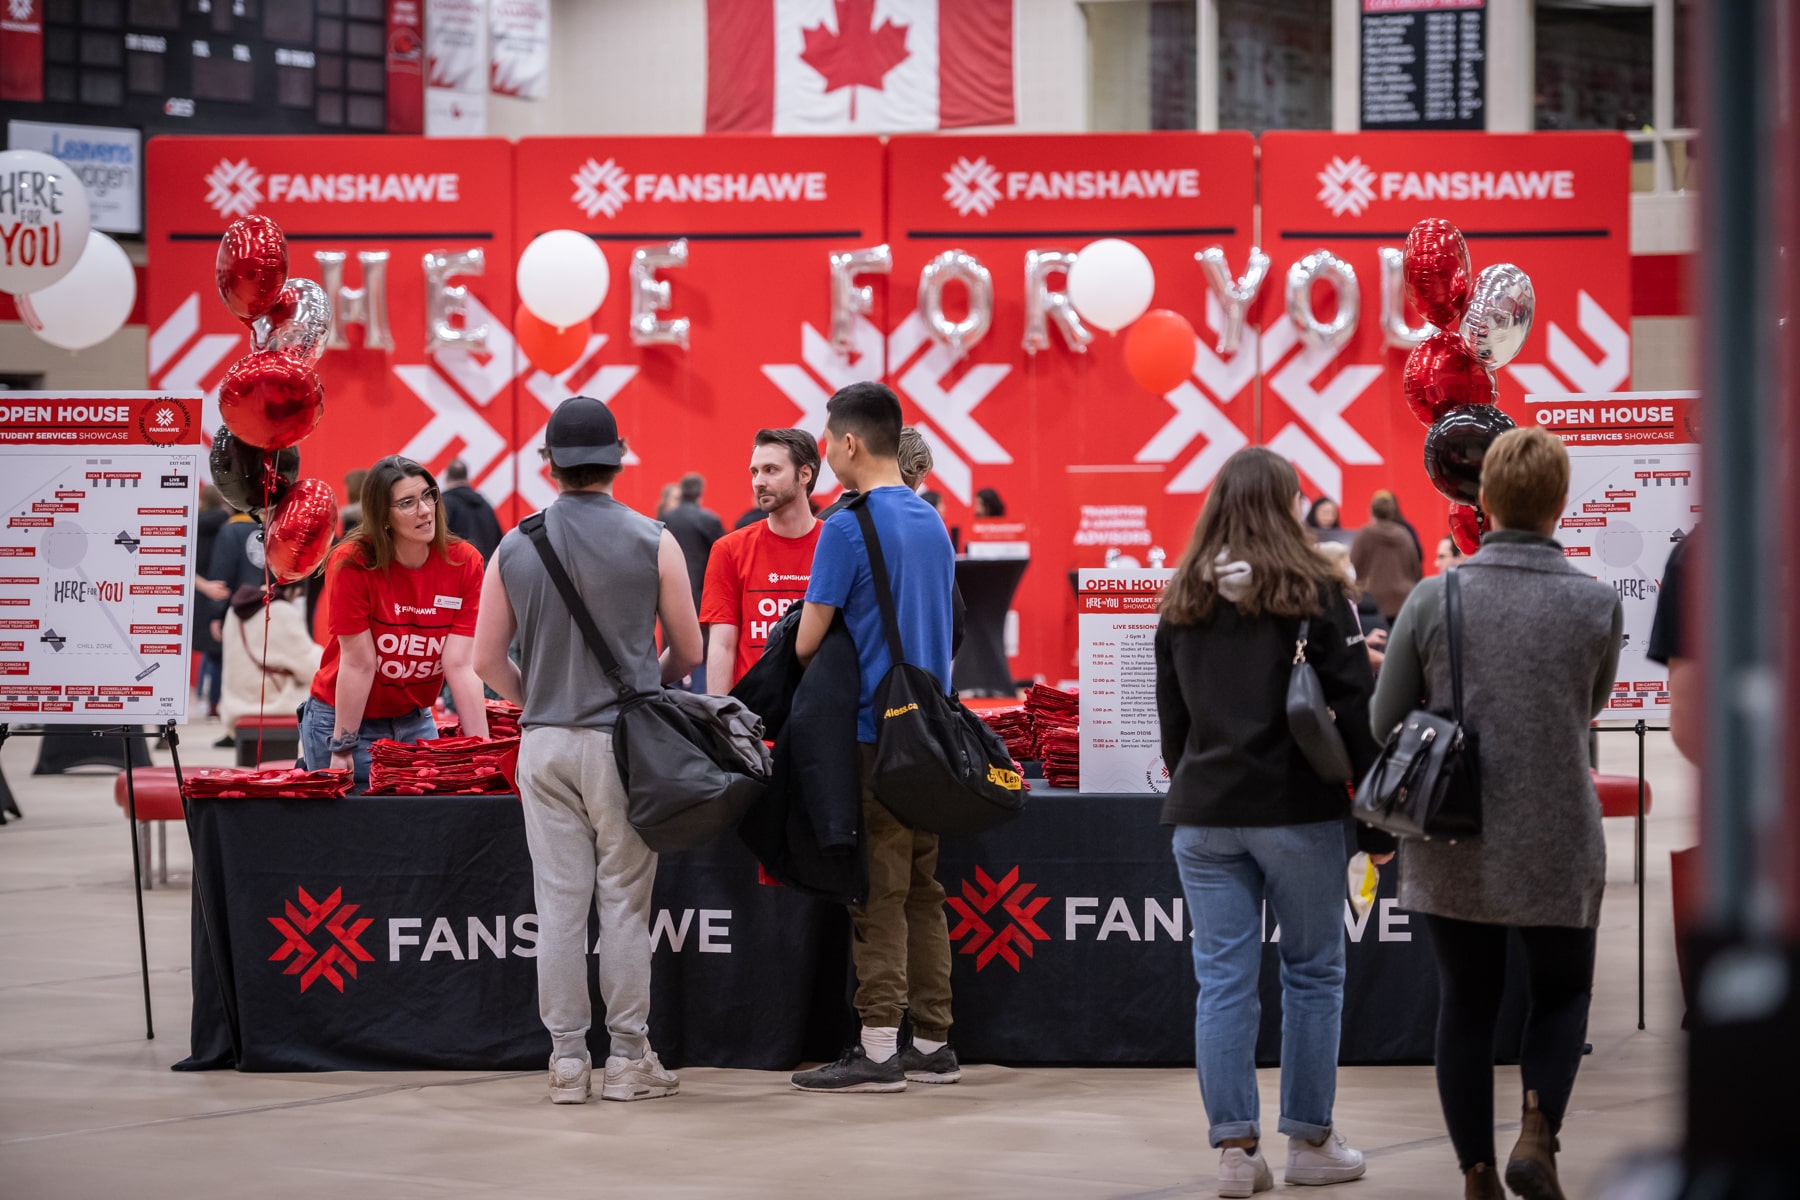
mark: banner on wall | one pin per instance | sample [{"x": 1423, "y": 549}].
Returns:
[
  {"x": 519, "y": 34},
  {"x": 390, "y": 227},
  {"x": 1082, "y": 454},
  {"x": 758, "y": 220},
  {"x": 108, "y": 161},
  {"x": 456, "y": 67},
  {"x": 842, "y": 66},
  {"x": 1634, "y": 494},
  {"x": 1555, "y": 204}
]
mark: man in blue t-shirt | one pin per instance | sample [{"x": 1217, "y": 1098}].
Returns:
[{"x": 902, "y": 945}]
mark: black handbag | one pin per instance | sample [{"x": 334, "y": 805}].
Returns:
[
  {"x": 1427, "y": 781},
  {"x": 684, "y": 783},
  {"x": 1311, "y": 720},
  {"x": 938, "y": 767}
]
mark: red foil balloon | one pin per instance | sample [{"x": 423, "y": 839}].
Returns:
[
  {"x": 252, "y": 266},
  {"x": 1442, "y": 373},
  {"x": 270, "y": 401},
  {"x": 300, "y": 530},
  {"x": 1467, "y": 524},
  {"x": 1159, "y": 350},
  {"x": 1438, "y": 278}
]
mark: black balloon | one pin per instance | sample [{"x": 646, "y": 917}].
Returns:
[
  {"x": 1455, "y": 446},
  {"x": 241, "y": 472}
]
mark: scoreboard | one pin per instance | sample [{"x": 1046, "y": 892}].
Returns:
[{"x": 220, "y": 66}]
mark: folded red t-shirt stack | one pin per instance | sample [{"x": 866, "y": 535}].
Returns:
[
  {"x": 503, "y": 721},
  {"x": 237, "y": 783},
  {"x": 1050, "y": 709},
  {"x": 449, "y": 766},
  {"x": 1014, "y": 728},
  {"x": 1062, "y": 756}
]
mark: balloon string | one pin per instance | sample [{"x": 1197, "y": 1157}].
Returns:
[{"x": 269, "y": 462}]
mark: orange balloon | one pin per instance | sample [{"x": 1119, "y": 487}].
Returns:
[
  {"x": 547, "y": 347},
  {"x": 1159, "y": 350}
]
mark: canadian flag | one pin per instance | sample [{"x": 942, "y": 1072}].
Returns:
[{"x": 870, "y": 66}]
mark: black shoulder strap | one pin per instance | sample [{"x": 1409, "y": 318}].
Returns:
[
  {"x": 1453, "y": 635},
  {"x": 884, "y": 592},
  {"x": 1300, "y": 640},
  {"x": 533, "y": 528}
]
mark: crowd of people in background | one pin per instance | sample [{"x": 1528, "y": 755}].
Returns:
[{"x": 424, "y": 597}]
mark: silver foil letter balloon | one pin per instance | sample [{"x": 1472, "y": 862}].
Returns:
[
  {"x": 1394, "y": 329},
  {"x": 1323, "y": 264},
  {"x": 850, "y": 300},
  {"x": 444, "y": 300},
  {"x": 961, "y": 336},
  {"x": 1045, "y": 304},
  {"x": 1498, "y": 319},
  {"x": 365, "y": 306},
  {"x": 648, "y": 294},
  {"x": 1234, "y": 295}
]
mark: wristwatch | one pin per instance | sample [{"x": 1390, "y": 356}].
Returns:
[{"x": 345, "y": 744}]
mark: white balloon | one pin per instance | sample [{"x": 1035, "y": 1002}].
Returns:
[
  {"x": 44, "y": 220},
  {"x": 1111, "y": 283},
  {"x": 90, "y": 303},
  {"x": 562, "y": 277}
]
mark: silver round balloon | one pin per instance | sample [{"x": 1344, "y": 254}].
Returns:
[
  {"x": 1498, "y": 318},
  {"x": 305, "y": 326},
  {"x": 1323, "y": 264}
]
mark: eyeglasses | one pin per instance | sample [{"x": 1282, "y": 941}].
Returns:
[{"x": 410, "y": 505}]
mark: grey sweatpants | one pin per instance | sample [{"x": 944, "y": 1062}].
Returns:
[{"x": 585, "y": 854}]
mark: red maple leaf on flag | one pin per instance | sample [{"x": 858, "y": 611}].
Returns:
[{"x": 858, "y": 54}]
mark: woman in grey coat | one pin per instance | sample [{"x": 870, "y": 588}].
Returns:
[{"x": 1540, "y": 644}]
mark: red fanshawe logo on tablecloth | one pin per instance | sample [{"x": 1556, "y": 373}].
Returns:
[
  {"x": 976, "y": 908},
  {"x": 342, "y": 949}
]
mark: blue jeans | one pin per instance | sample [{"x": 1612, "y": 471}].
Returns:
[
  {"x": 1227, "y": 874},
  {"x": 318, "y": 719}
]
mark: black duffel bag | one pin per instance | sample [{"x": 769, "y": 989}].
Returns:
[
  {"x": 938, "y": 767},
  {"x": 687, "y": 778}
]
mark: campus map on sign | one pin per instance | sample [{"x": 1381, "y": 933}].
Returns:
[
  {"x": 1634, "y": 493},
  {"x": 98, "y": 491},
  {"x": 1121, "y": 740}
]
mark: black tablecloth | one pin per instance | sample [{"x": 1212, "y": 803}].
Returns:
[
  {"x": 1064, "y": 924},
  {"x": 987, "y": 585}
]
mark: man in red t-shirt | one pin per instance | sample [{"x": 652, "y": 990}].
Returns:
[{"x": 758, "y": 572}]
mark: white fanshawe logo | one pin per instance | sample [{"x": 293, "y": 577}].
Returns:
[
  {"x": 600, "y": 188},
  {"x": 605, "y": 187},
  {"x": 165, "y": 417},
  {"x": 974, "y": 186},
  {"x": 19, "y": 10},
  {"x": 234, "y": 189},
  {"x": 1346, "y": 187}
]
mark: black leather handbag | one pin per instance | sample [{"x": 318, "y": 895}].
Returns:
[
  {"x": 1311, "y": 720},
  {"x": 938, "y": 767},
  {"x": 1427, "y": 782},
  {"x": 684, "y": 783}
]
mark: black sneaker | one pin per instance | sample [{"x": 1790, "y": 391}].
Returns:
[
  {"x": 937, "y": 1067},
  {"x": 853, "y": 1073},
  {"x": 225, "y": 743}
]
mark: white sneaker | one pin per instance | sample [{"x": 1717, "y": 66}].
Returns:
[
  {"x": 1332, "y": 1162},
  {"x": 1243, "y": 1172},
  {"x": 638, "y": 1078},
  {"x": 570, "y": 1080}
]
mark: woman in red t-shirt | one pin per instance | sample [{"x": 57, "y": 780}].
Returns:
[{"x": 400, "y": 600}]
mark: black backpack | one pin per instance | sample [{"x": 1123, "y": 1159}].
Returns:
[{"x": 938, "y": 767}]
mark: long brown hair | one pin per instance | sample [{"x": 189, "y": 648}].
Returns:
[
  {"x": 1250, "y": 511},
  {"x": 373, "y": 538}
]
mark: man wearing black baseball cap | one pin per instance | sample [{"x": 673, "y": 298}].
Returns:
[{"x": 630, "y": 574}]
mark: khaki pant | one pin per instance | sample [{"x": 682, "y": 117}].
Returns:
[
  {"x": 586, "y": 856},
  {"x": 901, "y": 943}
]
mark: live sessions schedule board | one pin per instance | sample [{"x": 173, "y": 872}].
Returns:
[{"x": 98, "y": 494}]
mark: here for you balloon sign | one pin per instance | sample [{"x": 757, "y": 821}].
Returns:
[{"x": 44, "y": 220}]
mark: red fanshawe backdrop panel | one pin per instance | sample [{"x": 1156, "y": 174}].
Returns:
[
  {"x": 761, "y": 217},
  {"x": 1082, "y": 455},
  {"x": 361, "y": 198},
  {"x": 1557, "y": 205}
]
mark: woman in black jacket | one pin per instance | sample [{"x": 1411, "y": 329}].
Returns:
[{"x": 1254, "y": 822}]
